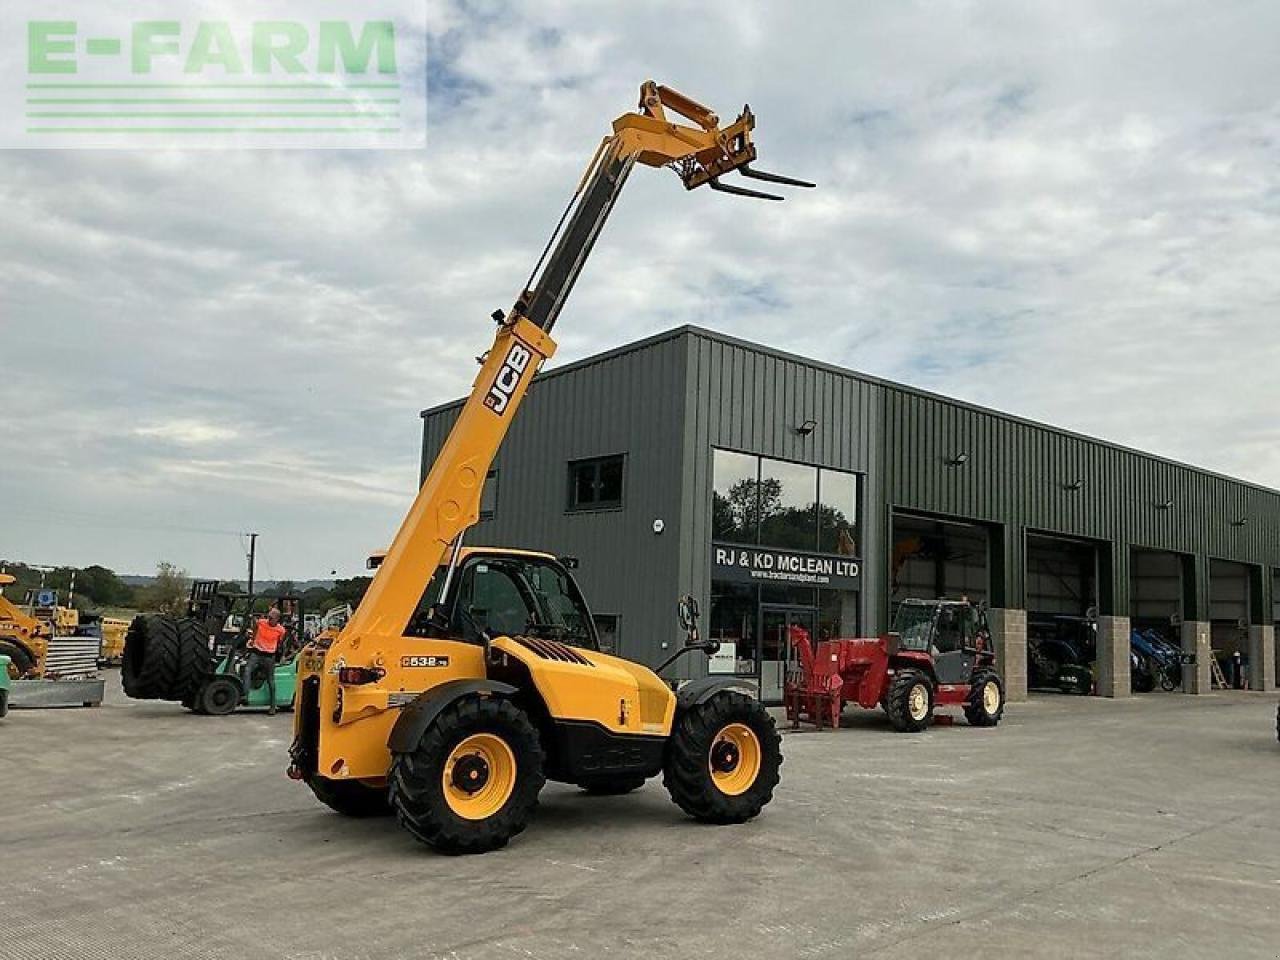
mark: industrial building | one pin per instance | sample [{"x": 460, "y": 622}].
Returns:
[{"x": 785, "y": 493}]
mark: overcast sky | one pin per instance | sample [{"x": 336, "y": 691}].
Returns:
[{"x": 1066, "y": 211}]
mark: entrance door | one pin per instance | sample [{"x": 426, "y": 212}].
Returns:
[{"x": 777, "y": 626}]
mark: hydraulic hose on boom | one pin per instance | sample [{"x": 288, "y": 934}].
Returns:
[{"x": 700, "y": 152}]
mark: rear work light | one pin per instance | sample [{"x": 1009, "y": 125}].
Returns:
[{"x": 354, "y": 676}]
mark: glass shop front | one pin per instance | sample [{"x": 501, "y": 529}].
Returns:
[{"x": 785, "y": 562}]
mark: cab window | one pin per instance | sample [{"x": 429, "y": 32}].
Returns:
[{"x": 490, "y": 600}]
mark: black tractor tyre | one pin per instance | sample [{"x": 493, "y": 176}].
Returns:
[
  {"x": 417, "y": 782},
  {"x": 903, "y": 705},
  {"x": 195, "y": 664},
  {"x": 612, "y": 786},
  {"x": 979, "y": 709},
  {"x": 20, "y": 661},
  {"x": 219, "y": 696},
  {"x": 152, "y": 657},
  {"x": 351, "y": 798},
  {"x": 690, "y": 771},
  {"x": 1278, "y": 722}
]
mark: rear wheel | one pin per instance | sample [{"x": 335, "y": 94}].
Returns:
[
  {"x": 472, "y": 781},
  {"x": 723, "y": 760},
  {"x": 909, "y": 702},
  {"x": 985, "y": 705},
  {"x": 612, "y": 786},
  {"x": 351, "y": 798}
]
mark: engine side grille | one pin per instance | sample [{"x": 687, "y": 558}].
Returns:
[{"x": 551, "y": 650}]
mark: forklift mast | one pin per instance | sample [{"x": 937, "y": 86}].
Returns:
[{"x": 700, "y": 151}]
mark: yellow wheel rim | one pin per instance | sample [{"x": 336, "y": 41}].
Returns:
[
  {"x": 991, "y": 697},
  {"x": 478, "y": 776},
  {"x": 918, "y": 702},
  {"x": 735, "y": 758}
]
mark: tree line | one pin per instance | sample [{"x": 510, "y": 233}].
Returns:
[{"x": 98, "y": 588}]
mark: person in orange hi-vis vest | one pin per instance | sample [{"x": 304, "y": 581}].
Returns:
[{"x": 267, "y": 634}]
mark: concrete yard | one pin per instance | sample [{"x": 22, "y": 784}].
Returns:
[{"x": 1080, "y": 828}]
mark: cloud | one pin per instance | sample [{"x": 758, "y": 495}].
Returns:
[{"x": 1067, "y": 213}]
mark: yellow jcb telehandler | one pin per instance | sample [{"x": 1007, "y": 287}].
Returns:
[
  {"x": 469, "y": 676},
  {"x": 24, "y": 639}
]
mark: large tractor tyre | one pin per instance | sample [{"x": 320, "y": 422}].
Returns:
[
  {"x": 985, "y": 705},
  {"x": 614, "y": 786},
  {"x": 351, "y": 798},
  {"x": 152, "y": 658},
  {"x": 472, "y": 781},
  {"x": 195, "y": 664},
  {"x": 909, "y": 702},
  {"x": 20, "y": 661},
  {"x": 723, "y": 759}
]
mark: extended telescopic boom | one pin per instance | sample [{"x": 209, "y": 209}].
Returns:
[{"x": 700, "y": 152}]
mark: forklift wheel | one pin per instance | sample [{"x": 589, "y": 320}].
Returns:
[
  {"x": 723, "y": 759},
  {"x": 472, "y": 781},
  {"x": 909, "y": 702},
  {"x": 612, "y": 786},
  {"x": 219, "y": 697},
  {"x": 985, "y": 705}
]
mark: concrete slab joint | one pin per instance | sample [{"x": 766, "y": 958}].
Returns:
[
  {"x": 1195, "y": 640},
  {"x": 1113, "y": 657},
  {"x": 1009, "y": 634},
  {"x": 1262, "y": 657}
]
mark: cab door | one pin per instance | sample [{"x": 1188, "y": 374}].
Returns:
[{"x": 953, "y": 653}]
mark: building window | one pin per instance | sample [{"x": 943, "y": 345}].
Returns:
[
  {"x": 608, "y": 630},
  {"x": 735, "y": 506},
  {"x": 595, "y": 484},
  {"x": 489, "y": 496},
  {"x": 788, "y": 505}
]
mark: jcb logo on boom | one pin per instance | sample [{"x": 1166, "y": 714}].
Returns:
[{"x": 504, "y": 384}]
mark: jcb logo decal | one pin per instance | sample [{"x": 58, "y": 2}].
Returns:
[{"x": 504, "y": 384}]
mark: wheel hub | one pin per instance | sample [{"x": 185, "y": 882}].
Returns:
[
  {"x": 918, "y": 703},
  {"x": 735, "y": 759},
  {"x": 471, "y": 773},
  {"x": 724, "y": 757},
  {"x": 990, "y": 697}
]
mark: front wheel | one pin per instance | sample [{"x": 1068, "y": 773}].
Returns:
[
  {"x": 910, "y": 702},
  {"x": 985, "y": 705},
  {"x": 472, "y": 781},
  {"x": 723, "y": 760}
]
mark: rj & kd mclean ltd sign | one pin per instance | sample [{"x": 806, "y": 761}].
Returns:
[{"x": 762, "y": 564}]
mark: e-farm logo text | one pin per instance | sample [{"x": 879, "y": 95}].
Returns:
[{"x": 272, "y": 73}]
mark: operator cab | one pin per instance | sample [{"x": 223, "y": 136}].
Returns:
[
  {"x": 952, "y": 632},
  {"x": 506, "y": 594}
]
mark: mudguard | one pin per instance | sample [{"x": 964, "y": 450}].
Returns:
[
  {"x": 704, "y": 688},
  {"x": 415, "y": 718}
]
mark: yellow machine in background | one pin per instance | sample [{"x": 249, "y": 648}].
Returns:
[
  {"x": 114, "y": 631},
  {"x": 24, "y": 638},
  {"x": 467, "y": 677}
]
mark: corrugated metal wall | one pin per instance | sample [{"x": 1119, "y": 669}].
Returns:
[
  {"x": 630, "y": 402},
  {"x": 666, "y": 402}
]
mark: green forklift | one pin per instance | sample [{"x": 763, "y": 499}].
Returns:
[{"x": 4, "y": 685}]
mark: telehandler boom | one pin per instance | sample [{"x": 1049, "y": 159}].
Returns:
[{"x": 469, "y": 676}]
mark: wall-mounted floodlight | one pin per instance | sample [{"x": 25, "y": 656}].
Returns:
[
  {"x": 1240, "y": 522},
  {"x": 958, "y": 460},
  {"x": 807, "y": 427},
  {"x": 1165, "y": 505},
  {"x": 1073, "y": 485}
]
